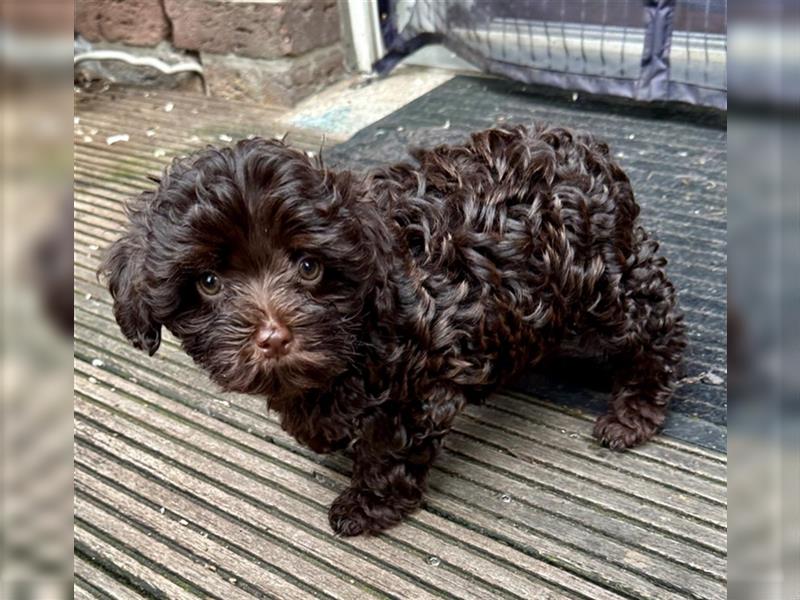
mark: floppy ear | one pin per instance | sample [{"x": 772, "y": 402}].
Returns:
[
  {"x": 373, "y": 249},
  {"x": 123, "y": 270}
]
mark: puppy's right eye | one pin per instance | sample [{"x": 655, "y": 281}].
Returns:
[{"x": 209, "y": 284}]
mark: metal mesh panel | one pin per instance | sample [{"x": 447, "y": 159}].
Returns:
[
  {"x": 619, "y": 47},
  {"x": 699, "y": 49}
]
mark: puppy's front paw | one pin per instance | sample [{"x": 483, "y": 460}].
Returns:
[
  {"x": 618, "y": 436},
  {"x": 358, "y": 511}
]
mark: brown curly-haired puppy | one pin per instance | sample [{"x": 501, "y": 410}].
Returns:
[{"x": 370, "y": 309}]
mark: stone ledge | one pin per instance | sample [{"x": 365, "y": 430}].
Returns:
[{"x": 281, "y": 81}]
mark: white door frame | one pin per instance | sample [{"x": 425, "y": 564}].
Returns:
[{"x": 365, "y": 33}]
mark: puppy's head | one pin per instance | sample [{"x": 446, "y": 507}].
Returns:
[{"x": 265, "y": 265}]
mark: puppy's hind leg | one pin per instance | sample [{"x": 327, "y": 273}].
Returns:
[
  {"x": 648, "y": 348},
  {"x": 392, "y": 459}
]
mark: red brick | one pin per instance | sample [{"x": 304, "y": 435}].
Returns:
[
  {"x": 135, "y": 22},
  {"x": 253, "y": 29}
]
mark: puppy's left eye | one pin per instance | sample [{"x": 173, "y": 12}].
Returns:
[{"x": 309, "y": 269}]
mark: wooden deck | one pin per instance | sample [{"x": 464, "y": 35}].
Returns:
[{"x": 181, "y": 491}]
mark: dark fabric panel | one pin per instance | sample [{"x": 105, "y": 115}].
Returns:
[{"x": 611, "y": 47}]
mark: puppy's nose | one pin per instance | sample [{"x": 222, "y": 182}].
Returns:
[{"x": 273, "y": 338}]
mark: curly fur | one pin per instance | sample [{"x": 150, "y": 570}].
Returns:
[{"x": 442, "y": 279}]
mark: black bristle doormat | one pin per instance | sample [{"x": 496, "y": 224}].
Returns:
[{"x": 676, "y": 159}]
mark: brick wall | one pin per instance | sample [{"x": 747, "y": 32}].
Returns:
[{"x": 276, "y": 51}]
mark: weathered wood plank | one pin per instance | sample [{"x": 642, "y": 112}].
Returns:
[
  {"x": 273, "y": 488},
  {"x": 297, "y": 536},
  {"x": 162, "y": 132},
  {"x": 187, "y": 568},
  {"x": 660, "y": 449},
  {"x": 93, "y": 577},
  {"x": 495, "y": 499},
  {"x": 531, "y": 514},
  {"x": 313, "y": 468},
  {"x": 152, "y": 129},
  {"x": 243, "y": 533},
  {"x": 624, "y": 492},
  {"x": 190, "y": 115},
  {"x": 121, "y": 185},
  {"x": 207, "y": 552},
  {"x": 314, "y": 496},
  {"x": 178, "y": 503},
  {"x": 142, "y": 573},
  {"x": 98, "y": 228},
  {"x": 82, "y": 592},
  {"x": 524, "y": 436}
]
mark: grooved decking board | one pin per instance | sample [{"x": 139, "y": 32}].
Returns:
[
  {"x": 100, "y": 583},
  {"x": 182, "y": 491},
  {"x": 677, "y": 163}
]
